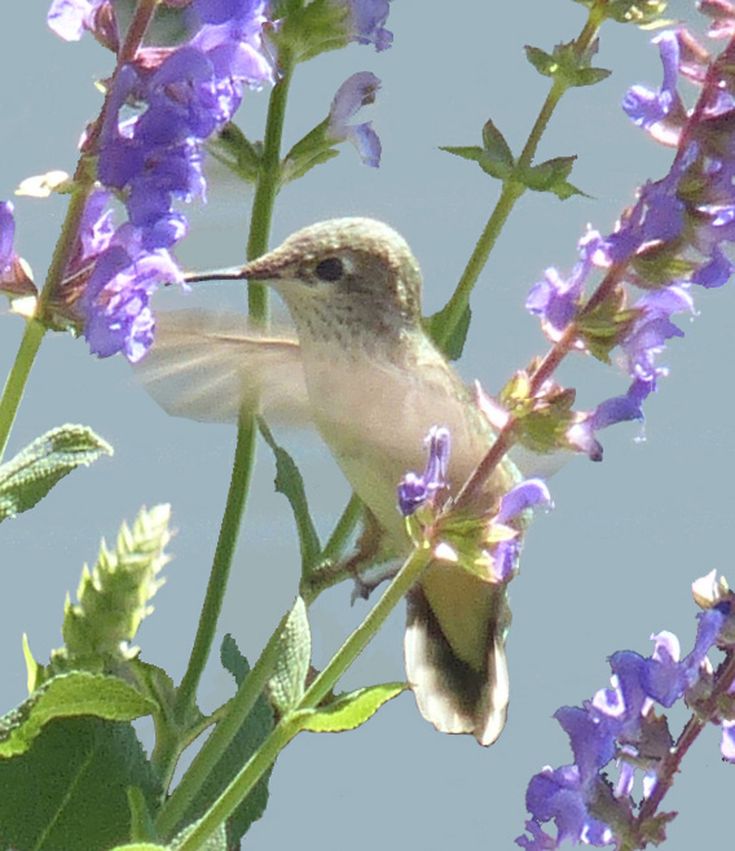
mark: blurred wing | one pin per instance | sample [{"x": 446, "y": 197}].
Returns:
[{"x": 208, "y": 366}]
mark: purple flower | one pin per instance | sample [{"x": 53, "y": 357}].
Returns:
[
  {"x": 368, "y": 18},
  {"x": 416, "y": 490},
  {"x": 528, "y": 494},
  {"x": 559, "y": 795},
  {"x": 647, "y": 108},
  {"x": 7, "y": 236},
  {"x": 649, "y": 333},
  {"x": 117, "y": 296},
  {"x": 69, "y": 18},
  {"x": 658, "y": 215},
  {"x": 727, "y": 744},
  {"x": 555, "y": 300},
  {"x": 618, "y": 723},
  {"x": 154, "y": 159},
  {"x": 357, "y": 91}
]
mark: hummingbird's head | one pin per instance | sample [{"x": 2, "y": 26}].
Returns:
[{"x": 344, "y": 277}]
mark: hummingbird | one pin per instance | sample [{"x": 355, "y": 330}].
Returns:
[{"x": 362, "y": 369}]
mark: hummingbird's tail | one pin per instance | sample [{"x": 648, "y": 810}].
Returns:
[{"x": 454, "y": 696}]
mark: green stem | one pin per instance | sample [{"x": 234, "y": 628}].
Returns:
[
  {"x": 236, "y": 711},
  {"x": 244, "y": 461},
  {"x": 242, "y": 469},
  {"x": 451, "y": 314},
  {"x": 36, "y": 327},
  {"x": 449, "y": 318},
  {"x": 16, "y": 381},
  {"x": 268, "y": 186},
  {"x": 288, "y": 727},
  {"x": 349, "y": 518}
]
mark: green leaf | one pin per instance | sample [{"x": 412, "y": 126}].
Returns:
[
  {"x": 491, "y": 162},
  {"x": 348, "y": 711},
  {"x": 115, "y": 596},
  {"x": 67, "y": 695},
  {"x": 473, "y": 152},
  {"x": 566, "y": 64},
  {"x": 233, "y": 149},
  {"x": 550, "y": 176},
  {"x": 29, "y": 476},
  {"x": 253, "y": 731},
  {"x": 69, "y": 791},
  {"x": 286, "y": 686},
  {"x": 290, "y": 483},
  {"x": 496, "y": 148},
  {"x": 454, "y": 345},
  {"x": 659, "y": 265},
  {"x": 306, "y": 30}
]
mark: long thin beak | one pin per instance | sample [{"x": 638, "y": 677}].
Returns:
[
  {"x": 261, "y": 269},
  {"x": 233, "y": 273}
]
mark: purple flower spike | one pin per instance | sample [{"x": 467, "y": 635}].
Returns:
[
  {"x": 357, "y": 91},
  {"x": 646, "y": 108},
  {"x": 416, "y": 490}
]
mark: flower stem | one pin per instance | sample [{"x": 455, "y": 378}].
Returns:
[
  {"x": 244, "y": 460},
  {"x": 288, "y": 727},
  {"x": 242, "y": 468},
  {"x": 670, "y": 768},
  {"x": 17, "y": 377},
  {"x": 221, "y": 738},
  {"x": 449, "y": 318},
  {"x": 268, "y": 186}
]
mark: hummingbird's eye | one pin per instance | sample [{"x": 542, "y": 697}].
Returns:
[{"x": 331, "y": 269}]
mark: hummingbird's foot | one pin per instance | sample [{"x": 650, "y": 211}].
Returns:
[
  {"x": 367, "y": 581},
  {"x": 368, "y": 551}
]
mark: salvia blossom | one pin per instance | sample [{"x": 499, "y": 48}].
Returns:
[
  {"x": 670, "y": 241},
  {"x": 357, "y": 91},
  {"x": 154, "y": 158},
  {"x": 620, "y": 723},
  {"x": 504, "y": 554},
  {"x": 15, "y": 275},
  {"x": 415, "y": 489},
  {"x": 367, "y": 18}
]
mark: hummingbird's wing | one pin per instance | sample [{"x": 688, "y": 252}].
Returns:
[{"x": 208, "y": 366}]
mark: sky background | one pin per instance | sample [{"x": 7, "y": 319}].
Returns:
[{"x": 609, "y": 566}]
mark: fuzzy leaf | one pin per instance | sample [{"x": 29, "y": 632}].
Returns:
[
  {"x": 248, "y": 739},
  {"x": 286, "y": 686},
  {"x": 31, "y": 474},
  {"x": 68, "y": 695},
  {"x": 348, "y": 711},
  {"x": 115, "y": 596},
  {"x": 290, "y": 483},
  {"x": 76, "y": 774}
]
